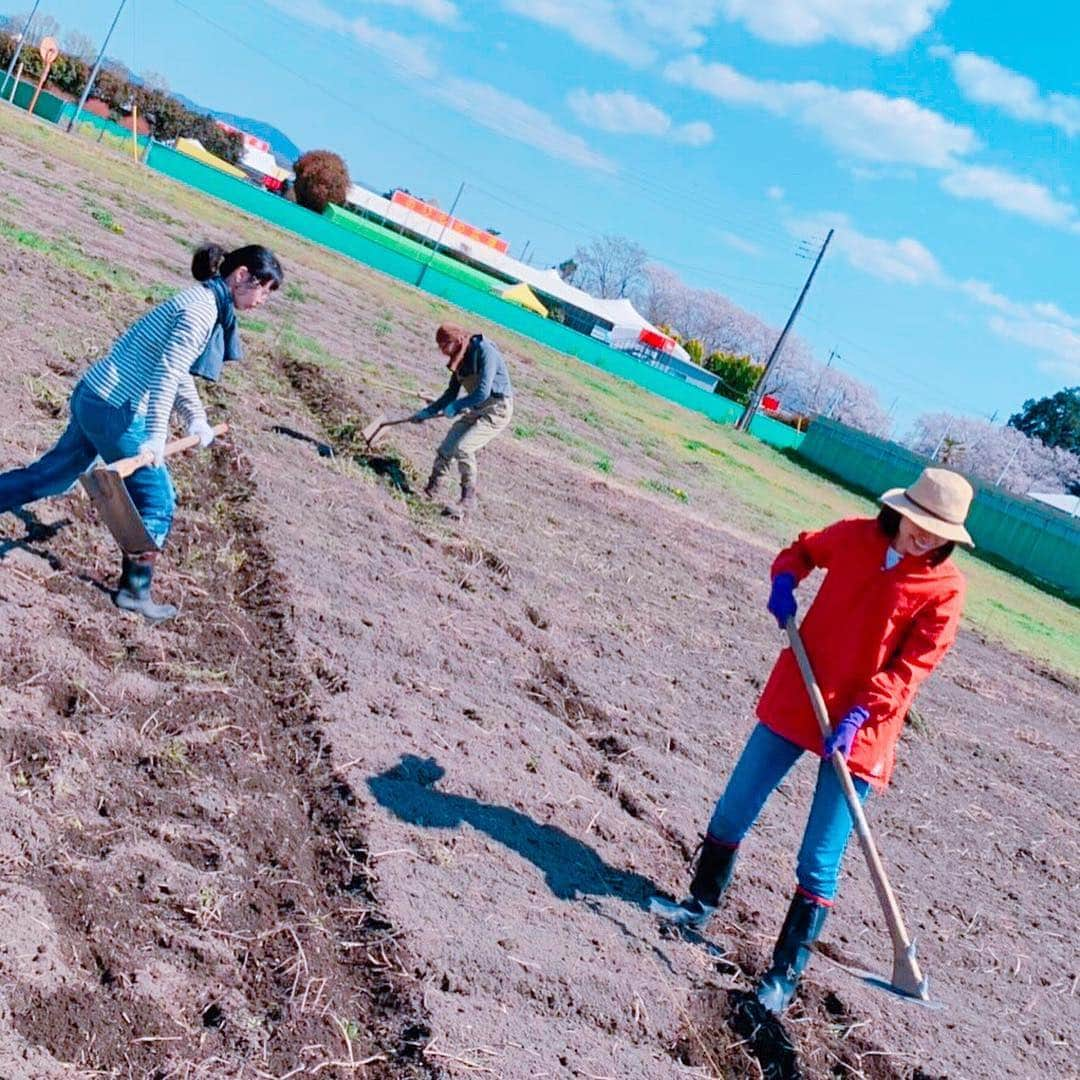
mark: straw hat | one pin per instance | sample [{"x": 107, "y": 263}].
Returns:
[{"x": 937, "y": 502}]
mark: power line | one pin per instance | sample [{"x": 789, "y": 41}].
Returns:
[{"x": 653, "y": 189}]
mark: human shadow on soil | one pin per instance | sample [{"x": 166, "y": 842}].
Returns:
[
  {"x": 571, "y": 869},
  {"x": 36, "y": 532}
]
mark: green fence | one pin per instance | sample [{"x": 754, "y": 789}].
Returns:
[
  {"x": 382, "y": 250},
  {"x": 423, "y": 255},
  {"x": 1025, "y": 535},
  {"x": 101, "y": 129},
  {"x": 48, "y": 105}
]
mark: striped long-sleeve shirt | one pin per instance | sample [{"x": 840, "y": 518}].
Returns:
[{"x": 150, "y": 363}]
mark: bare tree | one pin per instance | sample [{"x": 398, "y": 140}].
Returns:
[
  {"x": 154, "y": 81},
  {"x": 995, "y": 453},
  {"x": 41, "y": 26},
  {"x": 81, "y": 45},
  {"x": 611, "y": 267}
]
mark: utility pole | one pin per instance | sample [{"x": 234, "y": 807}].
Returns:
[
  {"x": 1012, "y": 457},
  {"x": 743, "y": 423},
  {"x": 833, "y": 354},
  {"x": 94, "y": 71},
  {"x": 19, "y": 43},
  {"x": 446, "y": 224},
  {"x": 941, "y": 441}
]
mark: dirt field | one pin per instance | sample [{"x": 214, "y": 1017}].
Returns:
[{"x": 389, "y": 798}]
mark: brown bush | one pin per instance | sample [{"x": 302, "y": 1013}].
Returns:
[{"x": 321, "y": 178}]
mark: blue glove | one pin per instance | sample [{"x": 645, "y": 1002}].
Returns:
[
  {"x": 424, "y": 414},
  {"x": 453, "y": 408},
  {"x": 843, "y": 735},
  {"x": 782, "y": 599}
]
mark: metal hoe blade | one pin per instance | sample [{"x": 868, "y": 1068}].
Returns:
[
  {"x": 109, "y": 495},
  {"x": 906, "y": 982},
  {"x": 371, "y": 432}
]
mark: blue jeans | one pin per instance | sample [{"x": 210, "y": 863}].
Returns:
[
  {"x": 96, "y": 428},
  {"x": 764, "y": 762}
]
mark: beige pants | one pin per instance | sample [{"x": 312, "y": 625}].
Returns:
[{"x": 472, "y": 432}]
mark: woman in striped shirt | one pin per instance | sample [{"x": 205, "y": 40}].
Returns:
[{"x": 122, "y": 405}]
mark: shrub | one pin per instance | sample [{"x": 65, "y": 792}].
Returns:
[{"x": 321, "y": 178}]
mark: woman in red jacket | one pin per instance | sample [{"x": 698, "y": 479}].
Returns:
[{"x": 886, "y": 613}]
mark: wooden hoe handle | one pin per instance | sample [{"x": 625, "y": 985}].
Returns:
[
  {"x": 898, "y": 932},
  {"x": 126, "y": 466}
]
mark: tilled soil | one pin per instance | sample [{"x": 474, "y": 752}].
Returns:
[{"x": 390, "y": 797}]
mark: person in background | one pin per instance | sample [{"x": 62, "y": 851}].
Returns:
[
  {"x": 122, "y": 405},
  {"x": 886, "y": 613},
  {"x": 477, "y": 367}
]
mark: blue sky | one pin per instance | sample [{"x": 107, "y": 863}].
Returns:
[{"x": 940, "y": 139}]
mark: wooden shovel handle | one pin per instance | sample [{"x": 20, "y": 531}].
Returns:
[
  {"x": 885, "y": 894},
  {"x": 126, "y": 466}
]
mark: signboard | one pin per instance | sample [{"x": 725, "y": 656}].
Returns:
[{"x": 440, "y": 217}]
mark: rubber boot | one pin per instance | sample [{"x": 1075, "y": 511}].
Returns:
[
  {"x": 802, "y": 927},
  {"x": 136, "y": 576},
  {"x": 467, "y": 506},
  {"x": 438, "y": 471},
  {"x": 715, "y": 865}
]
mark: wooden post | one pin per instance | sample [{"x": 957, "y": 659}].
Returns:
[{"x": 49, "y": 52}]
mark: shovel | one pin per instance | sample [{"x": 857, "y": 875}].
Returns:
[
  {"x": 373, "y": 430},
  {"x": 105, "y": 486},
  {"x": 907, "y": 980}
]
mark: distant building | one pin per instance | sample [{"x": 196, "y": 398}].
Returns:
[
  {"x": 615, "y": 322},
  {"x": 1067, "y": 504}
]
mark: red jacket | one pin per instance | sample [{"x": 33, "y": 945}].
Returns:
[{"x": 872, "y": 636}]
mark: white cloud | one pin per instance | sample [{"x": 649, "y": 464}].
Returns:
[
  {"x": 516, "y": 119},
  {"x": 596, "y": 24},
  {"x": 486, "y": 104},
  {"x": 739, "y": 243},
  {"x": 987, "y": 82},
  {"x": 619, "y": 112},
  {"x": 775, "y": 192},
  {"x": 1060, "y": 343},
  {"x": 637, "y": 31},
  {"x": 862, "y": 123},
  {"x": 409, "y": 55},
  {"x": 884, "y": 25},
  {"x": 1013, "y": 193},
  {"x": 696, "y": 133},
  {"x": 439, "y": 11},
  {"x": 905, "y": 260},
  {"x": 1040, "y": 325},
  {"x": 624, "y": 113}
]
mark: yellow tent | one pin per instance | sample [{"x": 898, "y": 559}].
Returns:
[
  {"x": 523, "y": 295},
  {"x": 195, "y": 149}
]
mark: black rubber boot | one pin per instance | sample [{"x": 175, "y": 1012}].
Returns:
[
  {"x": 136, "y": 577},
  {"x": 802, "y": 927},
  {"x": 438, "y": 471},
  {"x": 715, "y": 865},
  {"x": 466, "y": 507}
]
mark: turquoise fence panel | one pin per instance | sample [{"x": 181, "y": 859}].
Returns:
[
  {"x": 447, "y": 284},
  {"x": 48, "y": 105},
  {"x": 88, "y": 121},
  {"x": 1026, "y": 535},
  {"x": 424, "y": 256}
]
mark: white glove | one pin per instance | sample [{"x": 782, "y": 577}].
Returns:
[
  {"x": 156, "y": 447},
  {"x": 204, "y": 431}
]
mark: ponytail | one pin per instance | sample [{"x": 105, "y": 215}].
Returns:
[
  {"x": 211, "y": 260},
  {"x": 206, "y": 262}
]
